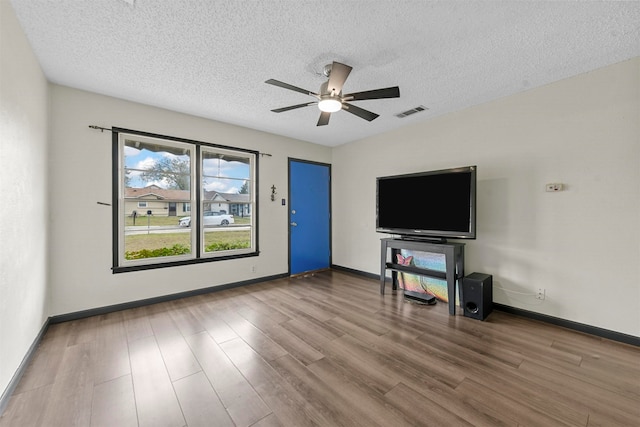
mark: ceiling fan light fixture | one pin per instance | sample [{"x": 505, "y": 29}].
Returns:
[
  {"x": 330, "y": 98},
  {"x": 330, "y": 104}
]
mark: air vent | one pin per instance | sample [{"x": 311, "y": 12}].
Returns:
[{"x": 411, "y": 111}]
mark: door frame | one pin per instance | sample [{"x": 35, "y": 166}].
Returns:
[{"x": 289, "y": 219}]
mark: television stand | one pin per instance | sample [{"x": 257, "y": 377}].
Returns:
[{"x": 454, "y": 261}]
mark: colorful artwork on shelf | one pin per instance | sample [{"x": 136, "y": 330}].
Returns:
[{"x": 423, "y": 284}]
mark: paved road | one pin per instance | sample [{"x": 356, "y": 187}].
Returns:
[{"x": 160, "y": 229}]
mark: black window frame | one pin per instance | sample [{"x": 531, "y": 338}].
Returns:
[{"x": 198, "y": 259}]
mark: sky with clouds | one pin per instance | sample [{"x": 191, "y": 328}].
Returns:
[{"x": 220, "y": 175}]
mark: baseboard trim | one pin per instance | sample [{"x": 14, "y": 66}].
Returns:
[
  {"x": 356, "y": 272},
  {"x": 164, "y": 298},
  {"x": 15, "y": 380},
  {"x": 581, "y": 327}
]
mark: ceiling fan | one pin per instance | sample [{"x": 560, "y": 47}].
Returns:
[{"x": 330, "y": 98}]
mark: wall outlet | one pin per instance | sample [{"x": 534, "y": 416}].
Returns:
[
  {"x": 253, "y": 268},
  {"x": 541, "y": 293}
]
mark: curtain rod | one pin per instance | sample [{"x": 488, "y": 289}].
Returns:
[
  {"x": 101, "y": 128},
  {"x": 111, "y": 130}
]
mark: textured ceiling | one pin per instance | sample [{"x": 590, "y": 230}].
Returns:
[{"x": 211, "y": 58}]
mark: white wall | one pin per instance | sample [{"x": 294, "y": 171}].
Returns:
[
  {"x": 23, "y": 185},
  {"x": 80, "y": 159},
  {"x": 582, "y": 245}
]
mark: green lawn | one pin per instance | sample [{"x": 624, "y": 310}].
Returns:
[
  {"x": 138, "y": 242},
  {"x": 223, "y": 238}
]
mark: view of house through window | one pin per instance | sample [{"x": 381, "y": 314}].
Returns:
[
  {"x": 225, "y": 200},
  {"x": 162, "y": 181}
]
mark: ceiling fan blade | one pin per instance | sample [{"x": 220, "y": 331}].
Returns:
[
  {"x": 290, "y": 87},
  {"x": 337, "y": 77},
  {"x": 293, "y": 107},
  {"x": 324, "y": 118},
  {"x": 389, "y": 92},
  {"x": 360, "y": 112}
]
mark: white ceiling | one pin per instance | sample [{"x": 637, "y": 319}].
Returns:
[{"x": 211, "y": 58}]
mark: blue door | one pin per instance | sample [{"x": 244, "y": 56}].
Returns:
[{"x": 309, "y": 217}]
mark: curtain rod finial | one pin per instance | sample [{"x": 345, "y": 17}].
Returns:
[{"x": 98, "y": 127}]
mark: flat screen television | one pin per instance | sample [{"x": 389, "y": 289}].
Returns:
[{"x": 433, "y": 205}]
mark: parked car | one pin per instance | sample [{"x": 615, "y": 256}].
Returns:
[{"x": 210, "y": 218}]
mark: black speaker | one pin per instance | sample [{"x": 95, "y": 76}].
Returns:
[{"x": 477, "y": 295}]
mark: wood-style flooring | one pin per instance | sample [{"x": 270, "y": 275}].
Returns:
[{"x": 324, "y": 350}]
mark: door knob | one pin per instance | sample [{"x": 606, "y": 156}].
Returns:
[{"x": 294, "y": 224}]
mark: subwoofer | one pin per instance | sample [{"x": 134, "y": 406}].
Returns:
[{"x": 477, "y": 295}]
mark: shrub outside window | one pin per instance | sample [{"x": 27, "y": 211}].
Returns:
[{"x": 166, "y": 177}]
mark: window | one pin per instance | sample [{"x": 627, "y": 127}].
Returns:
[{"x": 163, "y": 174}]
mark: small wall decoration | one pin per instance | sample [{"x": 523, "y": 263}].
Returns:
[{"x": 273, "y": 193}]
